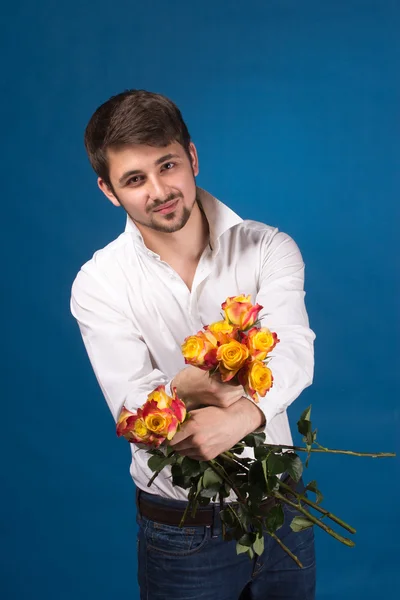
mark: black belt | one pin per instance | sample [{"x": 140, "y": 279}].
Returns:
[{"x": 204, "y": 516}]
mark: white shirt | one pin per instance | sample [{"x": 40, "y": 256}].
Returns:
[{"x": 134, "y": 311}]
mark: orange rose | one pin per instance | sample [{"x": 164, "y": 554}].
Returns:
[
  {"x": 162, "y": 423},
  {"x": 260, "y": 341},
  {"x": 160, "y": 396},
  {"x": 231, "y": 356},
  {"x": 200, "y": 350},
  {"x": 133, "y": 428},
  {"x": 156, "y": 421},
  {"x": 240, "y": 311},
  {"x": 178, "y": 407},
  {"x": 256, "y": 379}
]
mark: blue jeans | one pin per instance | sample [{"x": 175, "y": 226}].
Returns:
[{"x": 195, "y": 563}]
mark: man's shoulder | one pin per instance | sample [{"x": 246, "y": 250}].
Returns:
[
  {"x": 103, "y": 266},
  {"x": 254, "y": 230}
]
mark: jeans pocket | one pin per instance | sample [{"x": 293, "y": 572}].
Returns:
[{"x": 173, "y": 540}]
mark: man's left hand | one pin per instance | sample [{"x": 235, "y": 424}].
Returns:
[{"x": 212, "y": 430}]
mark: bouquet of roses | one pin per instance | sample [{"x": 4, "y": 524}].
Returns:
[{"x": 237, "y": 350}]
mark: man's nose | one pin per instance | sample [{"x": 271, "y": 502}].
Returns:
[{"x": 157, "y": 189}]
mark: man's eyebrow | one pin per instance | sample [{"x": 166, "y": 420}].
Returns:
[
  {"x": 137, "y": 171},
  {"x": 166, "y": 157}
]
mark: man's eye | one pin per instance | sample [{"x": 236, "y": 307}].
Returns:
[
  {"x": 135, "y": 179},
  {"x": 168, "y": 166}
]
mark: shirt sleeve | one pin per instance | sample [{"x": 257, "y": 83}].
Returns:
[
  {"x": 119, "y": 356},
  {"x": 281, "y": 293}
]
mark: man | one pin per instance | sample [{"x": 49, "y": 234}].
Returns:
[{"x": 182, "y": 254}]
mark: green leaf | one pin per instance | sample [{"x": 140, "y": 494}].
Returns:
[
  {"x": 254, "y": 439},
  {"x": 293, "y": 465},
  {"x": 210, "y": 492},
  {"x": 273, "y": 484},
  {"x": 247, "y": 539},
  {"x": 210, "y": 478},
  {"x": 274, "y": 518},
  {"x": 261, "y": 452},
  {"x": 312, "y": 487},
  {"x": 256, "y": 494},
  {"x": 191, "y": 467},
  {"x": 179, "y": 479},
  {"x": 228, "y": 517},
  {"x": 300, "y": 523},
  {"x": 304, "y": 423},
  {"x": 311, "y": 437},
  {"x": 257, "y": 475},
  {"x": 156, "y": 462},
  {"x": 258, "y": 545},
  {"x": 170, "y": 450},
  {"x": 241, "y": 549},
  {"x": 238, "y": 449},
  {"x": 276, "y": 464}
]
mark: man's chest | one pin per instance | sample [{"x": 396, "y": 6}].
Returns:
[{"x": 170, "y": 302}]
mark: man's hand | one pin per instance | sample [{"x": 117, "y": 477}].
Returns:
[
  {"x": 213, "y": 430},
  {"x": 197, "y": 388}
]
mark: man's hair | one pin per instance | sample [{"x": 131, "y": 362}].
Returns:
[{"x": 133, "y": 117}]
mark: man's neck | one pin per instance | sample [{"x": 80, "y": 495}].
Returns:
[{"x": 187, "y": 244}]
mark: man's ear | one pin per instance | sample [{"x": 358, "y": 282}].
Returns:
[
  {"x": 194, "y": 159},
  {"x": 107, "y": 191}
]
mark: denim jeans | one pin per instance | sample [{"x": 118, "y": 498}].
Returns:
[{"x": 195, "y": 563}]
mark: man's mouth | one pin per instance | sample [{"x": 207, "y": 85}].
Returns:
[{"x": 168, "y": 207}]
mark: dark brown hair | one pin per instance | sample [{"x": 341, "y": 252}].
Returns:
[{"x": 133, "y": 117}]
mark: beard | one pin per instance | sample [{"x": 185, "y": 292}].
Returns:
[{"x": 169, "y": 223}]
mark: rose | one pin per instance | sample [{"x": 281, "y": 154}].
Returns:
[
  {"x": 160, "y": 396},
  {"x": 133, "y": 428},
  {"x": 260, "y": 341},
  {"x": 163, "y": 422},
  {"x": 239, "y": 311},
  {"x": 256, "y": 378},
  {"x": 200, "y": 350},
  {"x": 231, "y": 356},
  {"x": 220, "y": 327},
  {"x": 157, "y": 420}
]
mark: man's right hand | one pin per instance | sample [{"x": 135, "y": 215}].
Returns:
[{"x": 197, "y": 389}]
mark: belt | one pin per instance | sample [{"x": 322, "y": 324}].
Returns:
[{"x": 204, "y": 514}]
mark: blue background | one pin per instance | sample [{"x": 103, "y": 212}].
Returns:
[{"x": 293, "y": 106}]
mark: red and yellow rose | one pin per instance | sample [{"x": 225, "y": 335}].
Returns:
[
  {"x": 256, "y": 378},
  {"x": 156, "y": 421},
  {"x": 200, "y": 350},
  {"x": 260, "y": 341},
  {"x": 231, "y": 358},
  {"x": 240, "y": 311}
]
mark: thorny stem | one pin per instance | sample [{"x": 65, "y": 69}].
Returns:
[
  {"x": 331, "y": 451},
  {"x": 226, "y": 478},
  {"x": 325, "y": 512},
  {"x": 314, "y": 520},
  {"x": 285, "y": 548}
]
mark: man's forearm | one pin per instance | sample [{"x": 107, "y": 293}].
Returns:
[{"x": 250, "y": 411}]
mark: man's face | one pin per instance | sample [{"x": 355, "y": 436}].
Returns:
[{"x": 156, "y": 186}]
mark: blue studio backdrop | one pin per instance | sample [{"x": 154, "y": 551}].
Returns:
[{"x": 293, "y": 106}]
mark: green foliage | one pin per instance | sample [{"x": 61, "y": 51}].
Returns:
[
  {"x": 254, "y": 439},
  {"x": 312, "y": 487},
  {"x": 253, "y": 480},
  {"x": 275, "y": 518},
  {"x": 300, "y": 523}
]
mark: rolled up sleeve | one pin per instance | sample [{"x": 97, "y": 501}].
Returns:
[
  {"x": 281, "y": 293},
  {"x": 119, "y": 357}
]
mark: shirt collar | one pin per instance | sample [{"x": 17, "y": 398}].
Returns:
[{"x": 219, "y": 216}]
